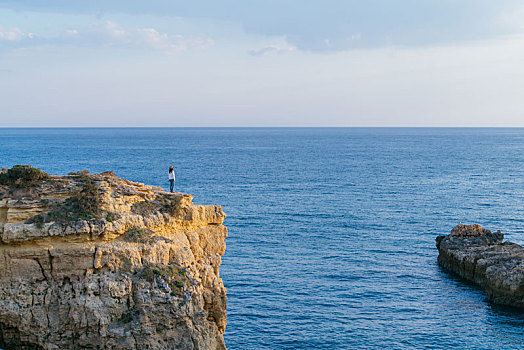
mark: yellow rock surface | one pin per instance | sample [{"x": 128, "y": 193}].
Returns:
[{"x": 131, "y": 279}]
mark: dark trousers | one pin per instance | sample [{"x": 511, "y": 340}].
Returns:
[{"x": 171, "y": 185}]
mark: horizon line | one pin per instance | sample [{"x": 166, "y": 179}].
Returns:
[{"x": 266, "y": 127}]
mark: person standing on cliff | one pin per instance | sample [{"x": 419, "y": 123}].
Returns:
[{"x": 171, "y": 179}]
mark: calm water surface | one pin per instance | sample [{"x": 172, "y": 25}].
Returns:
[{"x": 331, "y": 231}]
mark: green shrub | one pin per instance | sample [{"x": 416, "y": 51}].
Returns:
[
  {"x": 38, "y": 220},
  {"x": 179, "y": 284},
  {"x": 170, "y": 275},
  {"x": 141, "y": 235},
  {"x": 84, "y": 205},
  {"x": 144, "y": 208},
  {"x": 172, "y": 205},
  {"x": 81, "y": 173},
  {"x": 88, "y": 201},
  {"x": 22, "y": 176}
]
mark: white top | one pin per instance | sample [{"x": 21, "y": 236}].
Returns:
[{"x": 172, "y": 175}]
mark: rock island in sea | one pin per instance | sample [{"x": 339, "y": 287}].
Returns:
[
  {"x": 99, "y": 262},
  {"x": 480, "y": 256}
]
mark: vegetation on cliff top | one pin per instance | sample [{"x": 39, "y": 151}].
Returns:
[
  {"x": 163, "y": 203},
  {"x": 85, "y": 198},
  {"x": 84, "y": 204},
  {"x": 22, "y": 176}
]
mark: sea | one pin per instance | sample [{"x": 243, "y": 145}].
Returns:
[{"x": 331, "y": 230}]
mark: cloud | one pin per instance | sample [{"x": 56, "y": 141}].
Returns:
[
  {"x": 327, "y": 25},
  {"x": 14, "y": 34},
  {"x": 272, "y": 49},
  {"x": 112, "y": 34},
  {"x": 109, "y": 34}
]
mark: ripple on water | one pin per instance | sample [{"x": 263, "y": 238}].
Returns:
[{"x": 331, "y": 231}]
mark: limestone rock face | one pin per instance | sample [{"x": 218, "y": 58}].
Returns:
[
  {"x": 480, "y": 256},
  {"x": 118, "y": 265}
]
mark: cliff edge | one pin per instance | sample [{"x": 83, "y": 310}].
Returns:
[
  {"x": 480, "y": 256},
  {"x": 99, "y": 262}
]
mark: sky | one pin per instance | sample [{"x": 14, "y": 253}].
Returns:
[{"x": 104, "y": 63}]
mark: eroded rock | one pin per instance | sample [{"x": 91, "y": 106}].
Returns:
[{"x": 482, "y": 257}]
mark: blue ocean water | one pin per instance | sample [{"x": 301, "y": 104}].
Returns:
[{"x": 331, "y": 230}]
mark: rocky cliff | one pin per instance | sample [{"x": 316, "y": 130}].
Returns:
[
  {"x": 480, "y": 256},
  {"x": 98, "y": 262}
]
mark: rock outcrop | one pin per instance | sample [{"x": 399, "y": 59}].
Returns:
[
  {"x": 98, "y": 262},
  {"x": 480, "y": 256}
]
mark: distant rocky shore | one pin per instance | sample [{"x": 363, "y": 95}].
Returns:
[
  {"x": 99, "y": 262},
  {"x": 480, "y": 256}
]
